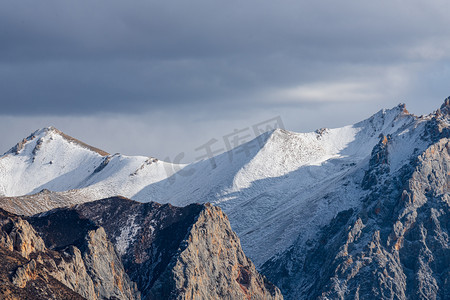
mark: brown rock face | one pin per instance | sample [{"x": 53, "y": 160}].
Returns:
[
  {"x": 212, "y": 265},
  {"x": 24, "y": 274},
  {"x": 90, "y": 270},
  {"x": 170, "y": 252},
  {"x": 22, "y": 237},
  {"x": 23, "y": 279}
]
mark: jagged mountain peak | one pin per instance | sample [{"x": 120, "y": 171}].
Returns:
[
  {"x": 445, "y": 108},
  {"x": 380, "y": 121},
  {"x": 387, "y": 117},
  {"x": 446, "y": 102},
  {"x": 48, "y": 134}
]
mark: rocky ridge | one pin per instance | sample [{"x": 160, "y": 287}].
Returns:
[
  {"x": 88, "y": 269},
  {"x": 170, "y": 252}
]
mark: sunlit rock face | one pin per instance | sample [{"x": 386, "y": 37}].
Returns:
[{"x": 170, "y": 252}]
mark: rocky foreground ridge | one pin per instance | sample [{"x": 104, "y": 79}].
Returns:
[
  {"x": 89, "y": 268},
  {"x": 120, "y": 249}
]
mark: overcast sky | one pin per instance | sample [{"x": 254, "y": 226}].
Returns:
[{"x": 156, "y": 78}]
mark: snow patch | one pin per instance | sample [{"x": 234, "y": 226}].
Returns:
[{"x": 127, "y": 235}]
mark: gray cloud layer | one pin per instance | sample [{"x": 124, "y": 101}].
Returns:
[{"x": 214, "y": 60}]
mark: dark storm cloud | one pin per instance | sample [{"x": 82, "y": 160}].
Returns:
[{"x": 86, "y": 57}]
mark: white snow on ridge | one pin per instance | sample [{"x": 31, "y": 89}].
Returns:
[
  {"x": 58, "y": 164},
  {"x": 273, "y": 192},
  {"x": 47, "y": 161}
]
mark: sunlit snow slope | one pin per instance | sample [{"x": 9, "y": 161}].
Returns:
[{"x": 274, "y": 188}]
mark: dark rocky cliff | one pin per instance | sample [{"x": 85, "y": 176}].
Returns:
[
  {"x": 88, "y": 268},
  {"x": 170, "y": 252}
]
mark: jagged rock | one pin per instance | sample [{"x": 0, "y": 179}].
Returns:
[
  {"x": 31, "y": 280},
  {"x": 19, "y": 235},
  {"x": 103, "y": 165},
  {"x": 20, "y": 145},
  {"x": 378, "y": 164},
  {"x": 94, "y": 272},
  {"x": 170, "y": 252},
  {"x": 212, "y": 265},
  {"x": 38, "y": 146},
  {"x": 71, "y": 271},
  {"x": 105, "y": 267},
  {"x": 24, "y": 274}
]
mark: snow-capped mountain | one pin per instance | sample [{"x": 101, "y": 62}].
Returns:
[
  {"x": 394, "y": 243},
  {"x": 265, "y": 186},
  {"x": 281, "y": 191},
  {"x": 49, "y": 159}
]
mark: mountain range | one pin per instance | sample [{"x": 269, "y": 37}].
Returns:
[{"x": 349, "y": 213}]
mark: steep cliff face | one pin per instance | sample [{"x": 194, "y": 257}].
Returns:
[
  {"x": 18, "y": 235},
  {"x": 24, "y": 279},
  {"x": 87, "y": 269},
  {"x": 212, "y": 265},
  {"x": 394, "y": 244},
  {"x": 170, "y": 252},
  {"x": 399, "y": 248}
]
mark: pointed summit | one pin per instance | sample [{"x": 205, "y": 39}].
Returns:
[
  {"x": 47, "y": 132},
  {"x": 402, "y": 107},
  {"x": 77, "y": 142},
  {"x": 445, "y": 108}
]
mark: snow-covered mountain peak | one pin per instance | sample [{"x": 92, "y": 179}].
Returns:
[
  {"x": 386, "y": 118},
  {"x": 280, "y": 174},
  {"x": 45, "y": 136},
  {"x": 284, "y": 151},
  {"x": 47, "y": 158}
]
